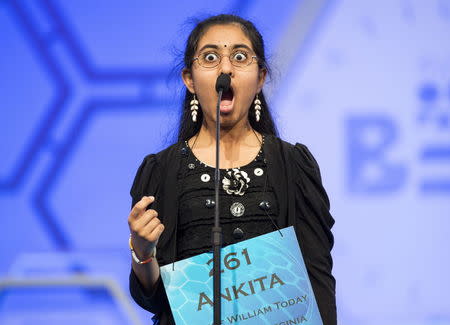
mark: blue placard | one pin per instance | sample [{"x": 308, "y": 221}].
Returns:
[{"x": 264, "y": 281}]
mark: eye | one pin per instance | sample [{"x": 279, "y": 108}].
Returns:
[
  {"x": 240, "y": 56},
  {"x": 210, "y": 57}
]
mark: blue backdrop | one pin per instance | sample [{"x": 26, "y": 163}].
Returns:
[{"x": 87, "y": 90}]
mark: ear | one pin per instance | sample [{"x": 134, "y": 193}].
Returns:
[
  {"x": 261, "y": 78},
  {"x": 186, "y": 75}
]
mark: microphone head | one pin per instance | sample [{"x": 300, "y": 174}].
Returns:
[{"x": 223, "y": 82}]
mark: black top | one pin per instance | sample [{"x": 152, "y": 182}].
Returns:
[
  {"x": 295, "y": 195},
  {"x": 246, "y": 211}
]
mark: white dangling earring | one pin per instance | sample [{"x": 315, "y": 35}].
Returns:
[
  {"x": 194, "y": 109},
  {"x": 257, "y": 103}
]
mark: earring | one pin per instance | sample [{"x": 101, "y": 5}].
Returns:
[
  {"x": 257, "y": 103},
  {"x": 194, "y": 109}
]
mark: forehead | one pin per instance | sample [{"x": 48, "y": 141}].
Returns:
[{"x": 224, "y": 36}]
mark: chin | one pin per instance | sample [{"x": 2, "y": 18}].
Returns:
[{"x": 230, "y": 121}]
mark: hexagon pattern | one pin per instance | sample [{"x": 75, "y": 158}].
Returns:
[
  {"x": 89, "y": 88},
  {"x": 254, "y": 260}
]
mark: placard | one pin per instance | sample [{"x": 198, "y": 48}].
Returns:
[{"x": 264, "y": 281}]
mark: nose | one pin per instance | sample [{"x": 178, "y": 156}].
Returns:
[{"x": 225, "y": 66}]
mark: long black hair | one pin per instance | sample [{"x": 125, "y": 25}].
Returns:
[{"x": 188, "y": 128}]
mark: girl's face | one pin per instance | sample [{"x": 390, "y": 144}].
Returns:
[{"x": 246, "y": 81}]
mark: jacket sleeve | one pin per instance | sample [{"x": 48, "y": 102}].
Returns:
[
  {"x": 155, "y": 302},
  {"x": 146, "y": 182},
  {"x": 314, "y": 223},
  {"x": 145, "y": 176}
]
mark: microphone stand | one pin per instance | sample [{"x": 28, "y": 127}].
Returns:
[{"x": 216, "y": 232}]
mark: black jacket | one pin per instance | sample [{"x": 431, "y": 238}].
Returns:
[{"x": 303, "y": 203}]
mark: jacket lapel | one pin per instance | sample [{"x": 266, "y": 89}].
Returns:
[
  {"x": 280, "y": 177},
  {"x": 170, "y": 163}
]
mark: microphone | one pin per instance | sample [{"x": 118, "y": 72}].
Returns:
[{"x": 223, "y": 83}]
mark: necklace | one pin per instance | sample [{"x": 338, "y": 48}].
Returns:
[{"x": 261, "y": 141}]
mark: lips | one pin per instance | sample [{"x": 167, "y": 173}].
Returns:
[{"x": 226, "y": 104}]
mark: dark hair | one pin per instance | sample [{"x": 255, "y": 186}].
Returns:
[{"x": 188, "y": 128}]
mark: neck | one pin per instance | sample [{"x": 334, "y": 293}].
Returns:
[
  {"x": 241, "y": 132},
  {"x": 238, "y": 145}
]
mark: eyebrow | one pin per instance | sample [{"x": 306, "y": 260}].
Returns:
[{"x": 235, "y": 46}]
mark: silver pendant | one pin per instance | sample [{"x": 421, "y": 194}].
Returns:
[{"x": 237, "y": 209}]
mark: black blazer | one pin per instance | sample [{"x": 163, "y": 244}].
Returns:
[{"x": 303, "y": 203}]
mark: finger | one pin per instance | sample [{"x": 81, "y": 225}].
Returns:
[
  {"x": 156, "y": 233},
  {"x": 144, "y": 219},
  {"x": 140, "y": 206},
  {"x": 155, "y": 222},
  {"x": 144, "y": 231}
]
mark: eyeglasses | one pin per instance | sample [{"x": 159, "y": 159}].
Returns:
[{"x": 238, "y": 58}]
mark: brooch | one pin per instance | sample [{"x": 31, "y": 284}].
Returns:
[{"x": 235, "y": 181}]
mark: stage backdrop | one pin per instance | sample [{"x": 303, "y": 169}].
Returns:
[{"x": 87, "y": 89}]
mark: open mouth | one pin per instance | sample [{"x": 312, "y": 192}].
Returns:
[{"x": 226, "y": 104}]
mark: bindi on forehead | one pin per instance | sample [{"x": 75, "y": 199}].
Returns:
[
  {"x": 224, "y": 35},
  {"x": 217, "y": 47}
]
